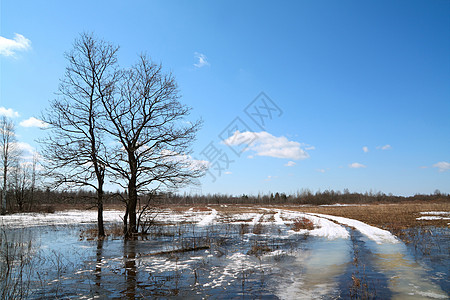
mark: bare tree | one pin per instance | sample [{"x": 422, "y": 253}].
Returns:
[
  {"x": 75, "y": 148},
  {"x": 34, "y": 175},
  {"x": 9, "y": 154},
  {"x": 21, "y": 183},
  {"x": 147, "y": 120}
]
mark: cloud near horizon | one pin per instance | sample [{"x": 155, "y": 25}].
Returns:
[
  {"x": 9, "y": 47},
  {"x": 265, "y": 144},
  {"x": 356, "y": 165},
  {"x": 442, "y": 166},
  {"x": 26, "y": 151},
  {"x": 202, "y": 60},
  {"x": 33, "y": 122},
  {"x": 8, "y": 112}
]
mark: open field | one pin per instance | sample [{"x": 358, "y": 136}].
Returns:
[
  {"x": 232, "y": 251},
  {"x": 388, "y": 216}
]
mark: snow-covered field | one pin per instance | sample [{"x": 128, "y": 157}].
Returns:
[{"x": 59, "y": 218}]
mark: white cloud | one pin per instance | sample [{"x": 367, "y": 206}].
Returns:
[
  {"x": 25, "y": 146},
  {"x": 33, "y": 122},
  {"x": 202, "y": 60},
  {"x": 442, "y": 166},
  {"x": 26, "y": 150},
  {"x": 265, "y": 144},
  {"x": 290, "y": 164},
  {"x": 321, "y": 170},
  {"x": 365, "y": 149},
  {"x": 385, "y": 147},
  {"x": 356, "y": 165},
  {"x": 8, "y": 112},
  {"x": 228, "y": 173},
  {"x": 9, "y": 47}
]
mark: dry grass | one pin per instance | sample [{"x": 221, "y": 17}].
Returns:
[
  {"x": 393, "y": 217},
  {"x": 91, "y": 233},
  {"x": 387, "y": 216},
  {"x": 302, "y": 223},
  {"x": 399, "y": 219}
]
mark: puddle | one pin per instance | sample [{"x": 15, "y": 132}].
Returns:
[
  {"x": 313, "y": 272},
  {"x": 407, "y": 278}
]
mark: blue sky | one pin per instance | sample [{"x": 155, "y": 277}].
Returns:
[{"x": 360, "y": 90}]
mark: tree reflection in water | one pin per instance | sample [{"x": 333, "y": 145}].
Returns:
[
  {"x": 129, "y": 256},
  {"x": 98, "y": 265}
]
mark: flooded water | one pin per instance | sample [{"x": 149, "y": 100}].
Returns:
[{"x": 196, "y": 255}]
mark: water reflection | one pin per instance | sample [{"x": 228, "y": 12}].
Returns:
[
  {"x": 99, "y": 263},
  {"x": 313, "y": 273},
  {"x": 237, "y": 265},
  {"x": 408, "y": 280},
  {"x": 129, "y": 256}
]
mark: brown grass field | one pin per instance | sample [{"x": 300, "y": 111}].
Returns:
[
  {"x": 386, "y": 216},
  {"x": 396, "y": 218}
]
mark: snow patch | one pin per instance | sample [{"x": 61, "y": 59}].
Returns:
[
  {"x": 376, "y": 234},
  {"x": 430, "y": 218},
  {"x": 208, "y": 219},
  {"x": 435, "y": 213},
  {"x": 278, "y": 219},
  {"x": 324, "y": 228},
  {"x": 59, "y": 218},
  {"x": 327, "y": 228}
]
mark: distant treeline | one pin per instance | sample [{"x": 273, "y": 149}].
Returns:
[
  {"x": 46, "y": 200},
  {"x": 49, "y": 200},
  {"x": 305, "y": 197}
]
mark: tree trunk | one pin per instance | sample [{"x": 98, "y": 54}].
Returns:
[
  {"x": 125, "y": 221},
  {"x": 5, "y": 171},
  {"x": 3, "y": 209},
  {"x": 132, "y": 201},
  {"x": 132, "y": 195},
  {"x": 101, "y": 228}
]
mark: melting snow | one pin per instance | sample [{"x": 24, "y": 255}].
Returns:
[
  {"x": 429, "y": 218},
  {"x": 208, "y": 219},
  {"x": 327, "y": 228},
  {"x": 324, "y": 228},
  {"x": 278, "y": 219},
  {"x": 59, "y": 218},
  {"x": 434, "y": 215},
  {"x": 377, "y": 235}
]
